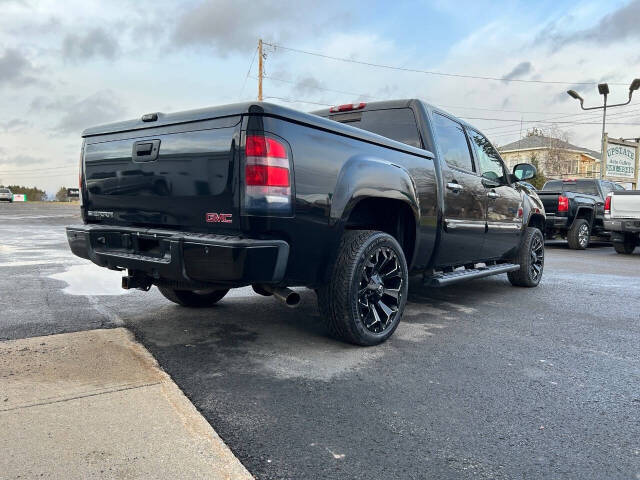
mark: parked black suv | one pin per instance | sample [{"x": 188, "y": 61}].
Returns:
[{"x": 346, "y": 201}]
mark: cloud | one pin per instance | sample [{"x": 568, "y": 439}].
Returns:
[
  {"x": 22, "y": 160},
  {"x": 13, "y": 125},
  {"x": 307, "y": 86},
  {"x": 77, "y": 114},
  {"x": 16, "y": 69},
  {"x": 621, "y": 24},
  {"x": 235, "y": 26},
  {"x": 519, "y": 70},
  {"x": 93, "y": 43}
]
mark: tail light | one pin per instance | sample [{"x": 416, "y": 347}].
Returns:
[
  {"x": 563, "y": 204},
  {"x": 80, "y": 173},
  {"x": 267, "y": 176},
  {"x": 607, "y": 205}
]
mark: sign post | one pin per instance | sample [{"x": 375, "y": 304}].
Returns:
[{"x": 621, "y": 161}]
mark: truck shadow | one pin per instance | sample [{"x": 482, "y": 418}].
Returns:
[
  {"x": 257, "y": 334},
  {"x": 563, "y": 245}
]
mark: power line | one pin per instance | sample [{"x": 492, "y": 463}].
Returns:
[
  {"x": 253, "y": 59},
  {"x": 43, "y": 175},
  {"x": 293, "y": 100},
  {"x": 318, "y": 88},
  {"x": 492, "y": 109},
  {"x": 18, "y": 172},
  {"x": 431, "y": 72},
  {"x": 580, "y": 115},
  {"x": 547, "y": 121}
]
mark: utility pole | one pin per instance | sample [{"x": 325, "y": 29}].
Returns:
[{"x": 260, "y": 73}]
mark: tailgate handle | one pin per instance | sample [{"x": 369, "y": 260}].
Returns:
[{"x": 145, "y": 150}]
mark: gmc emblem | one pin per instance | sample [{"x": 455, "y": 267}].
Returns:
[{"x": 219, "y": 217}]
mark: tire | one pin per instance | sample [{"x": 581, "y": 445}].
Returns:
[
  {"x": 367, "y": 291},
  {"x": 193, "y": 298},
  {"x": 530, "y": 257},
  {"x": 575, "y": 236},
  {"x": 627, "y": 247}
]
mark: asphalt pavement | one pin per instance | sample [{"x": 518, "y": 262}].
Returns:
[{"x": 481, "y": 380}]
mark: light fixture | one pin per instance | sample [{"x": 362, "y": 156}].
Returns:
[
  {"x": 603, "y": 88},
  {"x": 574, "y": 94}
]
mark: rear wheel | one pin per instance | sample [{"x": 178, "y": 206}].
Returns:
[
  {"x": 366, "y": 294},
  {"x": 193, "y": 298},
  {"x": 627, "y": 246},
  {"x": 578, "y": 235},
  {"x": 530, "y": 257}
]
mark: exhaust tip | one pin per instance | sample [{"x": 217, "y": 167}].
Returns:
[{"x": 293, "y": 299}]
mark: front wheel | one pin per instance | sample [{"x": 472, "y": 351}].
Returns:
[
  {"x": 366, "y": 294},
  {"x": 530, "y": 257},
  {"x": 193, "y": 298}
]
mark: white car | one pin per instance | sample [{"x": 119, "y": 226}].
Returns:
[{"x": 6, "y": 195}]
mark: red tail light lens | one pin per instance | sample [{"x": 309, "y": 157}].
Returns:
[
  {"x": 563, "y": 204},
  {"x": 260, "y": 146},
  {"x": 607, "y": 204},
  {"x": 267, "y": 176}
]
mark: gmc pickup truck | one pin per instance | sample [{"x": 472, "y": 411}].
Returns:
[
  {"x": 575, "y": 209},
  {"x": 347, "y": 201},
  {"x": 622, "y": 219}
]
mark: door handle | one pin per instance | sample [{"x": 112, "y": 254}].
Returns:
[
  {"x": 145, "y": 150},
  {"x": 493, "y": 195},
  {"x": 456, "y": 187}
]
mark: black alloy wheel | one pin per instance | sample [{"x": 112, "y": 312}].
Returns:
[
  {"x": 537, "y": 258},
  {"x": 364, "y": 298},
  {"x": 530, "y": 257},
  {"x": 380, "y": 292}
]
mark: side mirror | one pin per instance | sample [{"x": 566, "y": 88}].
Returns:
[{"x": 524, "y": 171}]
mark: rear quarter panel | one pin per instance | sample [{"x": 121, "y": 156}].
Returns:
[{"x": 320, "y": 160}]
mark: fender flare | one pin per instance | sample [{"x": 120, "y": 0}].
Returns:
[
  {"x": 590, "y": 218},
  {"x": 363, "y": 177}
]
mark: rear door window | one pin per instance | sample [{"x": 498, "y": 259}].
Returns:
[
  {"x": 452, "y": 143},
  {"x": 395, "y": 123}
]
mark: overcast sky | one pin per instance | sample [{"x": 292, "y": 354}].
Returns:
[{"x": 65, "y": 66}]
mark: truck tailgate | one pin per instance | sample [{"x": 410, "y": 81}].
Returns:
[
  {"x": 549, "y": 200},
  {"x": 625, "y": 204},
  {"x": 182, "y": 175}
]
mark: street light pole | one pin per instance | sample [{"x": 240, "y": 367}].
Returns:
[
  {"x": 602, "y": 139},
  {"x": 603, "y": 89}
]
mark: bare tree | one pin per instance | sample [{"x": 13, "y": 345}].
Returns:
[{"x": 559, "y": 161}]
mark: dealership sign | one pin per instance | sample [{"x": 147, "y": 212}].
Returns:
[{"x": 621, "y": 161}]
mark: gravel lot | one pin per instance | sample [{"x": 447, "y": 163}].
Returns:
[{"x": 481, "y": 380}]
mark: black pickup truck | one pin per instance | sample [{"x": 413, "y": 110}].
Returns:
[
  {"x": 347, "y": 201},
  {"x": 575, "y": 209}
]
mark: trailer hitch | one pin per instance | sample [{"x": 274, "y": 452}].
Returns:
[{"x": 141, "y": 282}]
